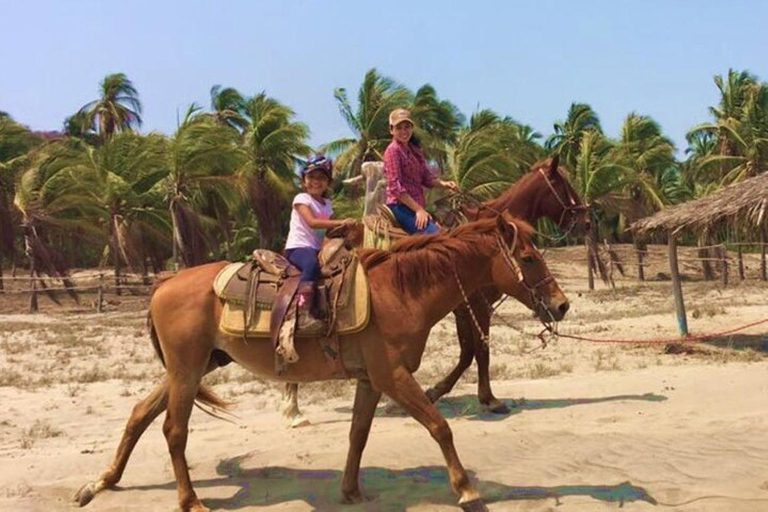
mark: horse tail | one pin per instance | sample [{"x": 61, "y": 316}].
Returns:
[{"x": 154, "y": 338}]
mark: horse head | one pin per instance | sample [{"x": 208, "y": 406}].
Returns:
[
  {"x": 519, "y": 270},
  {"x": 559, "y": 201}
]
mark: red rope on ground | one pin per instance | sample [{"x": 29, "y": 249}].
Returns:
[{"x": 688, "y": 339}]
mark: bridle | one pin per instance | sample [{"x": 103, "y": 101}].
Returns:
[
  {"x": 512, "y": 263},
  {"x": 571, "y": 206}
]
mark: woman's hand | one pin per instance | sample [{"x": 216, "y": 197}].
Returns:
[
  {"x": 450, "y": 185},
  {"x": 349, "y": 222},
  {"x": 422, "y": 219}
]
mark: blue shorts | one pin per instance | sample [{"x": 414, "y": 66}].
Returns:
[{"x": 407, "y": 220}]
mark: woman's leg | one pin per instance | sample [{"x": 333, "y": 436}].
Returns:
[{"x": 407, "y": 220}]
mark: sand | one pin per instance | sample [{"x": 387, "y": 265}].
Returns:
[{"x": 592, "y": 426}]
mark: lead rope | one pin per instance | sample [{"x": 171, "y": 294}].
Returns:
[{"x": 483, "y": 335}]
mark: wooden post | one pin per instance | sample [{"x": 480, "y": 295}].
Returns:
[
  {"x": 763, "y": 272},
  {"x": 33, "y": 305},
  {"x": 100, "y": 294},
  {"x": 590, "y": 274},
  {"x": 640, "y": 251},
  {"x": 741, "y": 264},
  {"x": 723, "y": 253},
  {"x": 682, "y": 320}
]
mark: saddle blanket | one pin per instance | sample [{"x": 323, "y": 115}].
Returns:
[{"x": 351, "y": 317}]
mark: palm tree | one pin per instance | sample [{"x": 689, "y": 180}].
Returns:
[
  {"x": 568, "y": 134},
  {"x": 227, "y": 106},
  {"x": 272, "y": 143},
  {"x": 15, "y": 143},
  {"x": 118, "y": 187},
  {"x": 377, "y": 97},
  {"x": 202, "y": 158},
  {"x": 644, "y": 150},
  {"x": 743, "y": 140},
  {"x": 437, "y": 123},
  {"x": 118, "y": 108},
  {"x": 490, "y": 154},
  {"x": 44, "y": 208}
]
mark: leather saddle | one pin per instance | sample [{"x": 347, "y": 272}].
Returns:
[
  {"x": 382, "y": 229},
  {"x": 259, "y": 296}
]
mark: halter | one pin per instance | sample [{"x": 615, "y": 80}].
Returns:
[{"x": 508, "y": 253}]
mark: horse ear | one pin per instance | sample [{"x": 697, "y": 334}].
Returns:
[
  {"x": 506, "y": 224},
  {"x": 555, "y": 164}
]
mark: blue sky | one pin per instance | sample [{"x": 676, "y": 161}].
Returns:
[{"x": 529, "y": 60}]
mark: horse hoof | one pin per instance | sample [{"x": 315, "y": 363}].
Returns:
[
  {"x": 84, "y": 495},
  {"x": 299, "y": 422},
  {"x": 496, "y": 406},
  {"x": 475, "y": 505}
]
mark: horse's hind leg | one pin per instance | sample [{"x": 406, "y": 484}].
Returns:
[
  {"x": 467, "y": 334},
  {"x": 366, "y": 400},
  {"x": 181, "y": 396},
  {"x": 142, "y": 416},
  {"x": 290, "y": 406},
  {"x": 403, "y": 388}
]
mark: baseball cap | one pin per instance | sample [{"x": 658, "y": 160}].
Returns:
[{"x": 399, "y": 115}]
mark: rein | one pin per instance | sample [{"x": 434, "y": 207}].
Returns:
[{"x": 508, "y": 253}]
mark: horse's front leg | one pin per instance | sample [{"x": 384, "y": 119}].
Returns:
[
  {"x": 366, "y": 400},
  {"x": 403, "y": 389},
  {"x": 290, "y": 406},
  {"x": 467, "y": 334}
]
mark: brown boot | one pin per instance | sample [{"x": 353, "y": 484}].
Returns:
[{"x": 308, "y": 323}]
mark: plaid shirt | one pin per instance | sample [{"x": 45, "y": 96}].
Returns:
[{"x": 407, "y": 173}]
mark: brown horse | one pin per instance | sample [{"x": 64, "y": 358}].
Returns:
[
  {"x": 412, "y": 287},
  {"x": 544, "y": 192}
]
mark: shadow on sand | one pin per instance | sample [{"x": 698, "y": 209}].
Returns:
[
  {"x": 467, "y": 406},
  {"x": 388, "y": 490}
]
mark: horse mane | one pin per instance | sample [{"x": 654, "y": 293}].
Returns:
[
  {"x": 502, "y": 202},
  {"x": 423, "y": 261}
]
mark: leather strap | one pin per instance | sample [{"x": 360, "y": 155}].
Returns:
[{"x": 280, "y": 307}]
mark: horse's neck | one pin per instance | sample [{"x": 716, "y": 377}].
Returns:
[
  {"x": 472, "y": 272},
  {"x": 522, "y": 200}
]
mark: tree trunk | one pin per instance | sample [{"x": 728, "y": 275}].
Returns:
[{"x": 174, "y": 237}]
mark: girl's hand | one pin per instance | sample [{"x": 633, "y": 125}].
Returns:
[
  {"x": 450, "y": 185},
  {"x": 422, "y": 219},
  {"x": 349, "y": 222}
]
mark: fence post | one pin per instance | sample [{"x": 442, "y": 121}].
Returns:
[
  {"x": 723, "y": 263},
  {"x": 741, "y": 264},
  {"x": 590, "y": 274},
  {"x": 100, "y": 294},
  {"x": 682, "y": 320},
  {"x": 763, "y": 272}
]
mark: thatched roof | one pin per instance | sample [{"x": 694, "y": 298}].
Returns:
[{"x": 741, "y": 205}]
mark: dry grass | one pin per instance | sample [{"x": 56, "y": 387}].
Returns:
[{"x": 39, "y": 430}]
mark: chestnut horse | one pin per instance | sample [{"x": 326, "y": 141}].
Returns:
[
  {"x": 543, "y": 192},
  {"x": 412, "y": 287}
]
